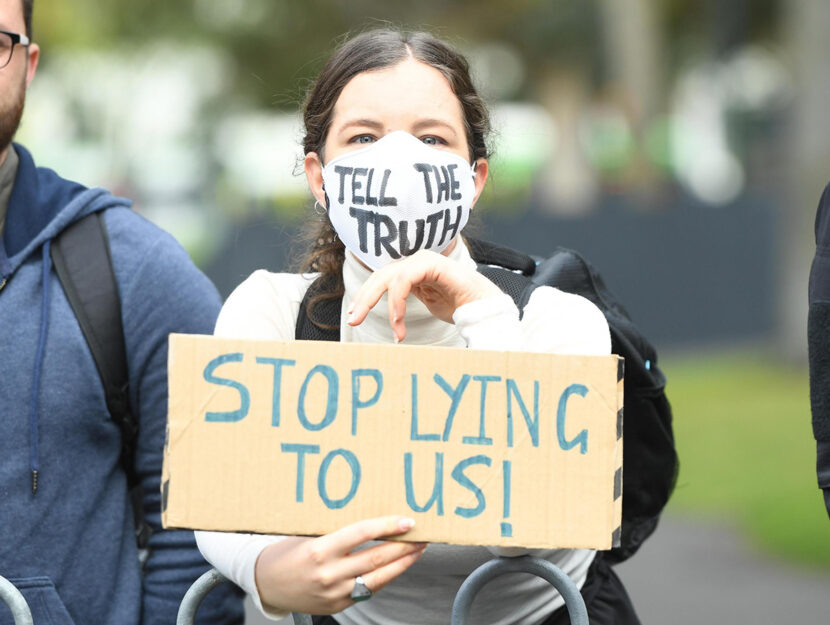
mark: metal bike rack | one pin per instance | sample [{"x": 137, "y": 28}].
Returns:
[
  {"x": 199, "y": 590},
  {"x": 194, "y": 595},
  {"x": 523, "y": 564},
  {"x": 463, "y": 600},
  {"x": 21, "y": 613}
]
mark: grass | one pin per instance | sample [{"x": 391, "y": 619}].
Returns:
[{"x": 743, "y": 433}]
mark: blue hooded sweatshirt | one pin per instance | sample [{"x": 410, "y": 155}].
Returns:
[{"x": 70, "y": 546}]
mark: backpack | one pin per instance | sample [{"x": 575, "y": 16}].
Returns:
[
  {"x": 82, "y": 260},
  {"x": 650, "y": 461}
]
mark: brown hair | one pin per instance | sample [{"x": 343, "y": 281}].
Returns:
[
  {"x": 373, "y": 50},
  {"x": 27, "y": 16}
]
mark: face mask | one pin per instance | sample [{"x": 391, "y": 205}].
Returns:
[{"x": 396, "y": 197}]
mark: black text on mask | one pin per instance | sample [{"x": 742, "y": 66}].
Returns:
[{"x": 394, "y": 237}]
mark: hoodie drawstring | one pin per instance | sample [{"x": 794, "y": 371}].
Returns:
[{"x": 34, "y": 459}]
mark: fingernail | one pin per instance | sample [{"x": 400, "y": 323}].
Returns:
[
  {"x": 416, "y": 554},
  {"x": 350, "y": 316},
  {"x": 350, "y": 309},
  {"x": 397, "y": 340},
  {"x": 406, "y": 524}
]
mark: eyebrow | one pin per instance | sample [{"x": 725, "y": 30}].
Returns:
[
  {"x": 376, "y": 125},
  {"x": 363, "y": 123},
  {"x": 430, "y": 122}
]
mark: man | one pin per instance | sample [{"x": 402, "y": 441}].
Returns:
[
  {"x": 67, "y": 537},
  {"x": 818, "y": 331}
]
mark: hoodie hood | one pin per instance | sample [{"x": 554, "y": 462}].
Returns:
[{"x": 43, "y": 204}]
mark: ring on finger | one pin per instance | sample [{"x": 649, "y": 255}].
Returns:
[{"x": 360, "y": 592}]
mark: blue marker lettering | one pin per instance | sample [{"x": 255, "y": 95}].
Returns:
[
  {"x": 331, "y": 398},
  {"x": 506, "y": 528},
  {"x": 301, "y": 451},
  {"x": 580, "y": 439},
  {"x": 413, "y": 424},
  {"x": 455, "y": 395},
  {"x": 532, "y": 424},
  {"x": 437, "y": 496},
  {"x": 459, "y": 476},
  {"x": 358, "y": 403},
  {"x": 481, "y": 439},
  {"x": 278, "y": 364},
  {"x": 230, "y": 416},
  {"x": 354, "y": 465}
]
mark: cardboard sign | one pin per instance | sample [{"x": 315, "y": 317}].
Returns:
[{"x": 479, "y": 447}]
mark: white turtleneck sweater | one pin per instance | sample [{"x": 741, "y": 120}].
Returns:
[{"x": 266, "y": 306}]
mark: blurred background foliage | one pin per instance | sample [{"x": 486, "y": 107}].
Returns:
[{"x": 679, "y": 144}]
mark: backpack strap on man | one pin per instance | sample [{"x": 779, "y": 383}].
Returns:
[{"x": 82, "y": 260}]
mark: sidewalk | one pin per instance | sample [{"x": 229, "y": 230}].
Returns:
[
  {"x": 693, "y": 573},
  {"x": 689, "y": 573}
]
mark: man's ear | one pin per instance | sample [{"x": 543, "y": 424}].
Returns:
[
  {"x": 32, "y": 58},
  {"x": 482, "y": 168},
  {"x": 314, "y": 175}
]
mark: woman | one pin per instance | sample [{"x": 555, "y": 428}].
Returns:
[{"x": 395, "y": 151}]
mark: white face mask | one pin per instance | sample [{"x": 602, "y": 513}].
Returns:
[{"x": 396, "y": 197}]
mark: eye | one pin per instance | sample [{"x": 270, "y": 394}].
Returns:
[
  {"x": 362, "y": 139},
  {"x": 433, "y": 140}
]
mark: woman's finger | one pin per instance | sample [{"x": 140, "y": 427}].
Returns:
[
  {"x": 447, "y": 285},
  {"x": 344, "y": 540},
  {"x": 382, "y": 576},
  {"x": 367, "y": 560},
  {"x": 397, "y": 291},
  {"x": 368, "y": 295},
  {"x": 339, "y": 595},
  {"x": 404, "y": 274}
]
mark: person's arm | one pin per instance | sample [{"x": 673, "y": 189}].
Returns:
[
  {"x": 257, "y": 309},
  {"x": 235, "y": 555},
  {"x": 162, "y": 292},
  {"x": 818, "y": 335},
  {"x": 297, "y": 574},
  {"x": 553, "y": 321}
]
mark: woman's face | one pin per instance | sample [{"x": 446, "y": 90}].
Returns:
[{"x": 410, "y": 96}]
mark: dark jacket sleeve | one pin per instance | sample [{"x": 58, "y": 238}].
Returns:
[
  {"x": 818, "y": 334},
  {"x": 165, "y": 293}
]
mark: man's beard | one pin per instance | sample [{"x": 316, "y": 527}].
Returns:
[{"x": 10, "y": 119}]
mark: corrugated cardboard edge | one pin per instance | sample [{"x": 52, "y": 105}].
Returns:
[
  {"x": 179, "y": 521},
  {"x": 618, "y": 456},
  {"x": 165, "y": 467}
]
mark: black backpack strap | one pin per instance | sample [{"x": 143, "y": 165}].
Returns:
[
  {"x": 487, "y": 253},
  {"x": 82, "y": 260},
  {"x": 326, "y": 313},
  {"x": 508, "y": 269}
]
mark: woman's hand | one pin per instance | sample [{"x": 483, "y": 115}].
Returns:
[
  {"x": 440, "y": 283},
  {"x": 317, "y": 575}
]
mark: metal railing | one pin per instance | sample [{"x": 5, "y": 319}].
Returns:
[
  {"x": 524, "y": 564},
  {"x": 463, "y": 600},
  {"x": 20, "y": 609},
  {"x": 460, "y": 609}
]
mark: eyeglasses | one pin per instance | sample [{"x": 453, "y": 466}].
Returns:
[{"x": 7, "y": 43}]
